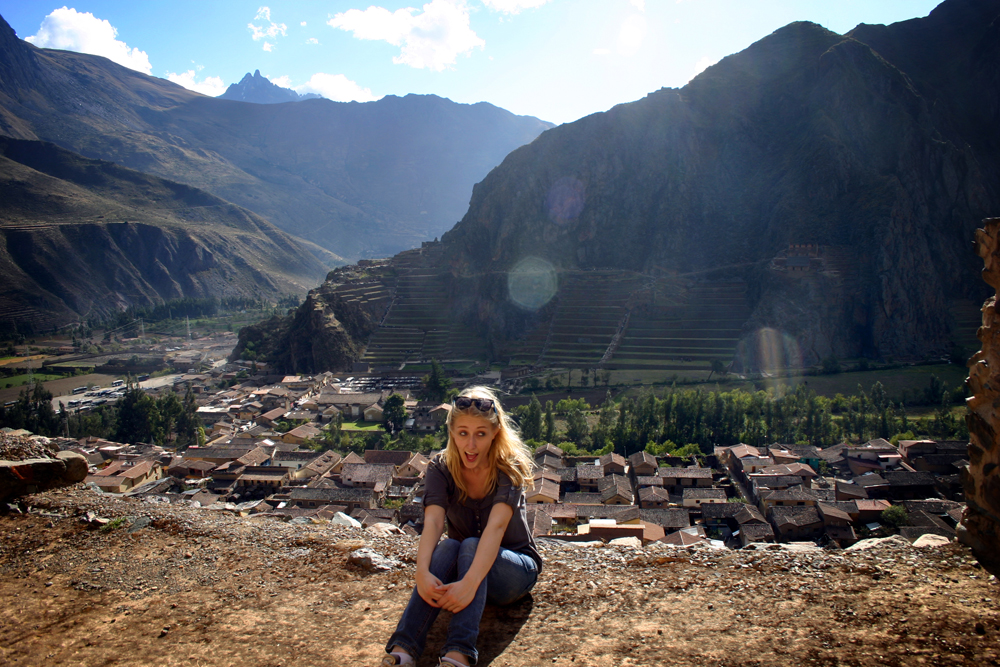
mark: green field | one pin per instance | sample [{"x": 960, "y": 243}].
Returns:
[
  {"x": 20, "y": 380},
  {"x": 361, "y": 426}
]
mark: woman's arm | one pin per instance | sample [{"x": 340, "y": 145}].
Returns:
[
  {"x": 428, "y": 586},
  {"x": 458, "y": 595}
]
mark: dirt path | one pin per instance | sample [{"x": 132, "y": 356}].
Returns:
[{"x": 197, "y": 587}]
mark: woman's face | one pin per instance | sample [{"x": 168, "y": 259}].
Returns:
[{"x": 473, "y": 436}]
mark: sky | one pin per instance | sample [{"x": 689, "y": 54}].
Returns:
[{"x": 558, "y": 60}]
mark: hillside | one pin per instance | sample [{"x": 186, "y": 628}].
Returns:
[
  {"x": 175, "y": 585},
  {"x": 82, "y": 238},
  {"x": 361, "y": 180},
  {"x": 835, "y": 180}
]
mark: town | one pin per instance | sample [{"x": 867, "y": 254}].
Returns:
[{"x": 263, "y": 454}]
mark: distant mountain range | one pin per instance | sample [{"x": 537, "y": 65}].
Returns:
[
  {"x": 86, "y": 238},
  {"x": 359, "y": 179},
  {"x": 822, "y": 189},
  {"x": 255, "y": 88}
]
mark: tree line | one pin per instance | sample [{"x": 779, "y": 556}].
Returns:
[{"x": 168, "y": 420}]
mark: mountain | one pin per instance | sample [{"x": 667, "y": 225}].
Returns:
[
  {"x": 255, "y": 88},
  {"x": 814, "y": 195},
  {"x": 82, "y": 238},
  {"x": 808, "y": 144},
  {"x": 361, "y": 180}
]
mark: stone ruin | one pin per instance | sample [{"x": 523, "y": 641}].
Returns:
[{"x": 980, "y": 526}]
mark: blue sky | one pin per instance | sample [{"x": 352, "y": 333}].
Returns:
[{"x": 558, "y": 60}]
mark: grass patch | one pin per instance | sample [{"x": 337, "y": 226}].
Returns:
[
  {"x": 361, "y": 426},
  {"x": 21, "y": 380}
]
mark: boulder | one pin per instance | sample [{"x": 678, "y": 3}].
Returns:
[
  {"x": 76, "y": 466},
  {"x": 342, "y": 519},
  {"x": 18, "y": 478},
  {"x": 630, "y": 541},
  {"x": 372, "y": 561},
  {"x": 384, "y": 529},
  {"x": 930, "y": 540}
]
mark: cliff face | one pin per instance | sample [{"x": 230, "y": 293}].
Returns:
[
  {"x": 806, "y": 137},
  {"x": 327, "y": 332},
  {"x": 982, "y": 478}
]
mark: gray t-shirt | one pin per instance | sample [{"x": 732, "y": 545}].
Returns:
[{"x": 469, "y": 518}]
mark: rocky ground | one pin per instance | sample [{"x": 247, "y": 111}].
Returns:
[{"x": 177, "y": 586}]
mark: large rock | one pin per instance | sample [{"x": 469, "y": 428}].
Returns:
[
  {"x": 76, "y": 466},
  {"x": 980, "y": 526},
  {"x": 18, "y": 478}
]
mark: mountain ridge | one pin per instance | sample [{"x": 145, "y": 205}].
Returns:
[
  {"x": 360, "y": 179},
  {"x": 260, "y": 90}
]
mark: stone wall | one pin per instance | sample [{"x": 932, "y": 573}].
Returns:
[{"x": 980, "y": 527}]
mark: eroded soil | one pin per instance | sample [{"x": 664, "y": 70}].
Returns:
[{"x": 197, "y": 587}]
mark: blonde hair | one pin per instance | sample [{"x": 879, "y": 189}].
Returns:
[{"x": 508, "y": 453}]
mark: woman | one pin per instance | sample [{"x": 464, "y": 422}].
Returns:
[{"x": 478, "y": 485}]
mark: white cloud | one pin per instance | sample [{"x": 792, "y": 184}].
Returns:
[
  {"x": 514, "y": 6},
  {"x": 639, "y": 4},
  {"x": 270, "y": 31},
  {"x": 703, "y": 64},
  {"x": 303, "y": 24},
  {"x": 431, "y": 39},
  {"x": 336, "y": 87},
  {"x": 312, "y": 40},
  {"x": 210, "y": 85},
  {"x": 281, "y": 81},
  {"x": 631, "y": 35},
  {"x": 602, "y": 52},
  {"x": 268, "y": 46},
  {"x": 83, "y": 32}
]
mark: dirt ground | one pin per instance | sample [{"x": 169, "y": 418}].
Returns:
[
  {"x": 62, "y": 387},
  {"x": 201, "y": 587}
]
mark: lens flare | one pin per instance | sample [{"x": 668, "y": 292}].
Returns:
[
  {"x": 777, "y": 352},
  {"x": 532, "y": 283},
  {"x": 565, "y": 200}
]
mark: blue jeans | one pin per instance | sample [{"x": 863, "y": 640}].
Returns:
[{"x": 512, "y": 576}]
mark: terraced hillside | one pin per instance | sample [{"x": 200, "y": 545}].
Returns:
[
  {"x": 684, "y": 328},
  {"x": 416, "y": 326}
]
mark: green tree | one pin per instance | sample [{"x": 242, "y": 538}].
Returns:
[
  {"x": 531, "y": 426},
  {"x": 577, "y": 429},
  {"x": 550, "y": 423},
  {"x": 895, "y": 517},
  {"x": 394, "y": 413},
  {"x": 435, "y": 385}
]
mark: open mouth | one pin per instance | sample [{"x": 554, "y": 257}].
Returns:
[{"x": 470, "y": 457}]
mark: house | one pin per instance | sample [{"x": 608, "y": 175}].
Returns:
[
  {"x": 795, "y": 523},
  {"x": 319, "y": 466},
  {"x": 394, "y": 457},
  {"x": 350, "y": 458},
  {"x": 368, "y": 475},
  {"x": 698, "y": 496},
  {"x": 837, "y": 524},
  {"x": 652, "y": 497},
  {"x": 300, "y": 435},
  {"x": 351, "y": 498},
  {"x": 186, "y": 469},
  {"x": 563, "y": 516},
  {"x": 616, "y": 490},
  {"x": 373, "y": 413},
  {"x": 643, "y": 481},
  {"x": 219, "y": 454},
  {"x": 906, "y": 485},
  {"x": 269, "y": 477},
  {"x": 271, "y": 417},
  {"x": 642, "y": 463},
  {"x": 122, "y": 476},
  {"x": 742, "y": 451},
  {"x": 871, "y": 510},
  {"x": 807, "y": 454},
  {"x": 583, "y": 498},
  {"x": 686, "y": 537},
  {"x": 795, "y": 496},
  {"x": 543, "y": 491},
  {"x": 588, "y": 477},
  {"x": 668, "y": 519},
  {"x": 848, "y": 491},
  {"x": 548, "y": 449},
  {"x": 294, "y": 460},
  {"x": 613, "y": 464},
  {"x": 874, "y": 455},
  {"x": 752, "y": 533},
  {"x": 352, "y": 405},
  {"x": 415, "y": 466},
  {"x": 676, "y": 478}
]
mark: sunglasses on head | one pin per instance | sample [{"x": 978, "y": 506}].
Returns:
[{"x": 481, "y": 404}]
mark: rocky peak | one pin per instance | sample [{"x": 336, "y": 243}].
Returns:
[{"x": 259, "y": 90}]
